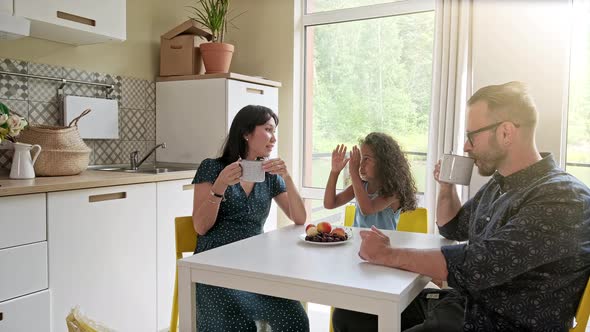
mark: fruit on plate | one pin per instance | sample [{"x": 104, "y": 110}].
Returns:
[
  {"x": 324, "y": 227},
  {"x": 311, "y": 231},
  {"x": 308, "y": 226},
  {"x": 340, "y": 232}
]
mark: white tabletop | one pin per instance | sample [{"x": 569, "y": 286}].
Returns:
[{"x": 281, "y": 256}]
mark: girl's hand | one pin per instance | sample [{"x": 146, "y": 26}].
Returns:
[
  {"x": 339, "y": 159},
  {"x": 230, "y": 175},
  {"x": 355, "y": 161},
  {"x": 275, "y": 166}
]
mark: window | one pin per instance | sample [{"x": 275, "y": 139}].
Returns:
[
  {"x": 365, "y": 69},
  {"x": 578, "y": 125}
]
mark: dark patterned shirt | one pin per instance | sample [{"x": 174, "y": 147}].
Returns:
[{"x": 528, "y": 257}]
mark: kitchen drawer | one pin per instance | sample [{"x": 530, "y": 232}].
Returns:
[
  {"x": 240, "y": 94},
  {"x": 23, "y": 220},
  {"x": 26, "y": 313},
  {"x": 24, "y": 270}
]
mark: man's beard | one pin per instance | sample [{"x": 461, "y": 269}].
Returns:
[{"x": 488, "y": 161}]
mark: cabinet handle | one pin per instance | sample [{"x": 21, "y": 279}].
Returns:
[
  {"x": 1, "y": 315},
  {"x": 107, "y": 197},
  {"x": 255, "y": 91},
  {"x": 76, "y": 18},
  {"x": 188, "y": 187}
]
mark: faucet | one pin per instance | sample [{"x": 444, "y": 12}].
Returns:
[{"x": 135, "y": 155}]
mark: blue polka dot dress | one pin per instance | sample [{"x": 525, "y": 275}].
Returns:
[{"x": 239, "y": 217}]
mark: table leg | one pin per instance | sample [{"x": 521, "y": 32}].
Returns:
[
  {"x": 187, "y": 310},
  {"x": 389, "y": 318}
]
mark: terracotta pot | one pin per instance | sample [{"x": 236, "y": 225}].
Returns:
[{"x": 216, "y": 57}]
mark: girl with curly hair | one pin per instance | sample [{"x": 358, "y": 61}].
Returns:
[{"x": 381, "y": 182}]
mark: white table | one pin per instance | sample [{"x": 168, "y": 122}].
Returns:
[{"x": 278, "y": 263}]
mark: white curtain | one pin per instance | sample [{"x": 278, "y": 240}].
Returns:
[{"x": 451, "y": 86}]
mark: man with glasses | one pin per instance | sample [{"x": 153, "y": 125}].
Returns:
[{"x": 527, "y": 259}]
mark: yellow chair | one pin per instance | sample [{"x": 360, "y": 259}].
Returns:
[
  {"x": 411, "y": 221},
  {"x": 186, "y": 241},
  {"x": 583, "y": 311}
]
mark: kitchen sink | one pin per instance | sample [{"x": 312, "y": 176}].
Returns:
[{"x": 158, "y": 169}]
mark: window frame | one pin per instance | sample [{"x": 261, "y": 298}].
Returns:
[{"x": 396, "y": 8}]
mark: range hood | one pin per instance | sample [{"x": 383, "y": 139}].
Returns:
[{"x": 13, "y": 27}]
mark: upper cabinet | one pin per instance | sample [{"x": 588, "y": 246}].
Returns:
[{"x": 77, "y": 22}]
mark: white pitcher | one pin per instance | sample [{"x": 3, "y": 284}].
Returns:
[{"x": 22, "y": 164}]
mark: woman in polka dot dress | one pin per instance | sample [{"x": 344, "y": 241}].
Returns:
[{"x": 226, "y": 210}]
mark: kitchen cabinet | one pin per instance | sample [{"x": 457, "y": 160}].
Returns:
[
  {"x": 76, "y": 22},
  {"x": 102, "y": 249},
  {"x": 175, "y": 199},
  {"x": 23, "y": 220},
  {"x": 26, "y": 314},
  {"x": 23, "y": 264},
  {"x": 193, "y": 116}
]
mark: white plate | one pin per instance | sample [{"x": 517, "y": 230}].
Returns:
[
  {"x": 348, "y": 231},
  {"x": 302, "y": 238}
]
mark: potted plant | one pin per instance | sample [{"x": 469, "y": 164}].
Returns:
[{"x": 213, "y": 15}]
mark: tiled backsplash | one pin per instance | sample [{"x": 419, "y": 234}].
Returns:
[{"x": 37, "y": 101}]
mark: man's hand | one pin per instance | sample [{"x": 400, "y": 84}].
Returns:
[{"x": 375, "y": 246}]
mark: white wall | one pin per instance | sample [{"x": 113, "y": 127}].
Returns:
[{"x": 526, "y": 41}]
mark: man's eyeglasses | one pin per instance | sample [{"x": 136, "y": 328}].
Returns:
[{"x": 493, "y": 126}]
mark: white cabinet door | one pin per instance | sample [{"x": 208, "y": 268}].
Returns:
[
  {"x": 191, "y": 119},
  {"x": 75, "y": 22},
  {"x": 23, "y": 270},
  {"x": 26, "y": 314},
  {"x": 23, "y": 220},
  {"x": 175, "y": 199},
  {"x": 240, "y": 94},
  {"x": 102, "y": 249}
]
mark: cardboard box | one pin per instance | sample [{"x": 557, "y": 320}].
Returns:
[{"x": 179, "y": 51}]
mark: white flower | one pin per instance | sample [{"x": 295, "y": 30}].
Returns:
[
  {"x": 3, "y": 119},
  {"x": 13, "y": 121},
  {"x": 23, "y": 123}
]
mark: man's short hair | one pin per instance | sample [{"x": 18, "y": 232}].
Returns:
[{"x": 508, "y": 102}]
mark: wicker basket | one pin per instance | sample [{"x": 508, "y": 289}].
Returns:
[{"x": 63, "y": 152}]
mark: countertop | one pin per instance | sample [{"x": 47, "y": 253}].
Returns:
[{"x": 85, "y": 180}]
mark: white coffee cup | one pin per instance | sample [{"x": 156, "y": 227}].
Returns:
[
  {"x": 252, "y": 171},
  {"x": 456, "y": 169}
]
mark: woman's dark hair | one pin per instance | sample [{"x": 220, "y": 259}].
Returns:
[
  {"x": 244, "y": 123},
  {"x": 392, "y": 170}
]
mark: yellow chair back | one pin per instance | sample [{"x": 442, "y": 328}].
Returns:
[
  {"x": 349, "y": 215},
  {"x": 186, "y": 241},
  {"x": 413, "y": 221},
  {"x": 583, "y": 311}
]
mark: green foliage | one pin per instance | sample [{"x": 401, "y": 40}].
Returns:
[
  {"x": 371, "y": 75},
  {"x": 212, "y": 14}
]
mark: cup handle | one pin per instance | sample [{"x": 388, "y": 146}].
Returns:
[{"x": 36, "y": 153}]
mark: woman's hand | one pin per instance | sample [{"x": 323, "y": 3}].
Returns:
[
  {"x": 230, "y": 175},
  {"x": 355, "y": 161},
  {"x": 339, "y": 159},
  {"x": 275, "y": 166}
]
